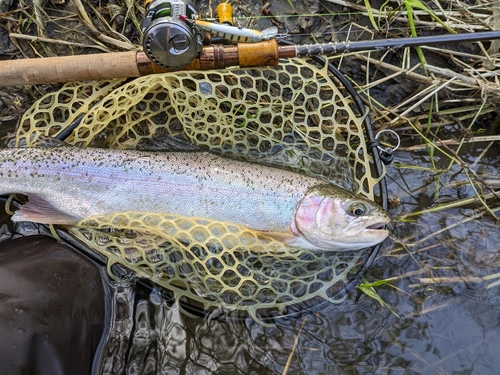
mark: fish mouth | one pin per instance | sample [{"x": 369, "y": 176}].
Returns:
[
  {"x": 380, "y": 232},
  {"x": 377, "y": 226},
  {"x": 377, "y": 229},
  {"x": 380, "y": 223},
  {"x": 373, "y": 227}
]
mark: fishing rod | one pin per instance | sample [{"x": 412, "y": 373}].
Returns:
[{"x": 174, "y": 39}]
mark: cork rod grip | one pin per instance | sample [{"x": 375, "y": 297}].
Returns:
[{"x": 68, "y": 69}]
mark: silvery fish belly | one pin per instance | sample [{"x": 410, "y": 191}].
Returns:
[{"x": 65, "y": 185}]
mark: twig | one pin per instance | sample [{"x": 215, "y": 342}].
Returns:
[
  {"x": 422, "y": 100},
  {"x": 491, "y": 277},
  {"x": 451, "y": 74},
  {"x": 447, "y": 52},
  {"x": 497, "y": 138},
  {"x": 452, "y": 226},
  {"x": 90, "y": 26},
  {"x": 295, "y": 343},
  {"x": 56, "y": 41},
  {"x": 485, "y": 138},
  {"x": 451, "y": 279},
  {"x": 406, "y": 73},
  {"x": 454, "y": 204}
]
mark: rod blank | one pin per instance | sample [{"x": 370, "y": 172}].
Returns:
[{"x": 329, "y": 49}]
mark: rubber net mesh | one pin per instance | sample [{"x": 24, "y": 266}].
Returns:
[{"x": 293, "y": 116}]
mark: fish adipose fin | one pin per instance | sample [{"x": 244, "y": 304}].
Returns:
[{"x": 38, "y": 210}]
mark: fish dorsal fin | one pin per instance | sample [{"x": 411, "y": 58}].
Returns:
[
  {"x": 38, "y": 210},
  {"x": 46, "y": 141},
  {"x": 40, "y": 141}
]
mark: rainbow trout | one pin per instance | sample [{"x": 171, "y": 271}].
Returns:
[{"x": 67, "y": 184}]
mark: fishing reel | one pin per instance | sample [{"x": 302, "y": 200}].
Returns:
[{"x": 168, "y": 41}]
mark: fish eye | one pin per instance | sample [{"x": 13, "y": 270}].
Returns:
[{"x": 358, "y": 209}]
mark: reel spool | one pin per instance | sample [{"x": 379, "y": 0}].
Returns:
[{"x": 168, "y": 41}]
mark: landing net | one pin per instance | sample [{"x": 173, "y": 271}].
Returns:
[{"x": 295, "y": 116}]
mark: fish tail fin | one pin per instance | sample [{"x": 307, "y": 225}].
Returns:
[{"x": 38, "y": 210}]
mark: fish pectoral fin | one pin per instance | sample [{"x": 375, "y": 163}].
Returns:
[
  {"x": 284, "y": 237},
  {"x": 292, "y": 240},
  {"x": 38, "y": 210}
]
